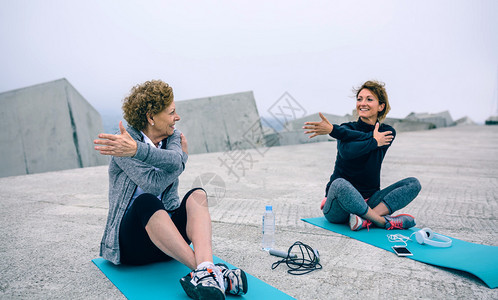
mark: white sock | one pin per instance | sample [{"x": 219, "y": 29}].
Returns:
[{"x": 205, "y": 265}]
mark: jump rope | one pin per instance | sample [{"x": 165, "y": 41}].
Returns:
[{"x": 307, "y": 262}]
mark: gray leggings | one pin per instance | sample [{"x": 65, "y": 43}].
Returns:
[{"x": 344, "y": 199}]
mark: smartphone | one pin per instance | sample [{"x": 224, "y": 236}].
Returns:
[{"x": 402, "y": 251}]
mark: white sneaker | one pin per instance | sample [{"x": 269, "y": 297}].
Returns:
[
  {"x": 204, "y": 284},
  {"x": 356, "y": 223}
]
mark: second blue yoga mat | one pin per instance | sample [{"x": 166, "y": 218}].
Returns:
[
  {"x": 479, "y": 260},
  {"x": 161, "y": 281}
]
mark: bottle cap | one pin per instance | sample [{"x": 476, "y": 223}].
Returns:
[{"x": 269, "y": 207}]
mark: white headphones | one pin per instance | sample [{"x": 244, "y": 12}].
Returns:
[{"x": 427, "y": 236}]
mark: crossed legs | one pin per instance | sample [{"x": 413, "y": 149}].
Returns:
[
  {"x": 376, "y": 215},
  {"x": 343, "y": 199}
]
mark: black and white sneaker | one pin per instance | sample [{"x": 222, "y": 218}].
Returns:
[
  {"x": 203, "y": 284},
  {"x": 235, "y": 280}
]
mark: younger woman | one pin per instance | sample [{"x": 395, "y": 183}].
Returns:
[{"x": 353, "y": 192}]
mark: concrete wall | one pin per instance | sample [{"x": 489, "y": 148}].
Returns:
[
  {"x": 283, "y": 138},
  {"x": 220, "y": 123},
  {"x": 47, "y": 127}
]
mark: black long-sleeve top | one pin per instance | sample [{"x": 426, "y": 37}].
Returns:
[{"x": 359, "y": 159}]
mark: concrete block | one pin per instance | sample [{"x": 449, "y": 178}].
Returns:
[
  {"x": 492, "y": 120},
  {"x": 442, "y": 119},
  {"x": 465, "y": 121},
  {"x": 402, "y": 125},
  {"x": 47, "y": 127},
  {"x": 220, "y": 123}
]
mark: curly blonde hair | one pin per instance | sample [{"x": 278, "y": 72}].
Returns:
[
  {"x": 151, "y": 97},
  {"x": 379, "y": 90}
]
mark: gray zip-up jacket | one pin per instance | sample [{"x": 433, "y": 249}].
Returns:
[{"x": 154, "y": 170}]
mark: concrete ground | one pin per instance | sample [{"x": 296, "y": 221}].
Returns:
[{"x": 51, "y": 223}]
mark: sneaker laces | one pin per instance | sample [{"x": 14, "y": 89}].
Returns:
[
  {"x": 218, "y": 275},
  {"x": 235, "y": 282},
  {"x": 225, "y": 271},
  {"x": 210, "y": 274},
  {"x": 395, "y": 224},
  {"x": 366, "y": 223}
]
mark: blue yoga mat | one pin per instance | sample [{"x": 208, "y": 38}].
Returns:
[
  {"x": 479, "y": 260},
  {"x": 161, "y": 281}
]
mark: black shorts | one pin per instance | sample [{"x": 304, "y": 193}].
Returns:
[{"x": 136, "y": 248}]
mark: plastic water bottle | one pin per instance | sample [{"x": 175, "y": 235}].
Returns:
[{"x": 268, "y": 229}]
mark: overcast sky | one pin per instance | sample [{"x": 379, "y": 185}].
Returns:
[{"x": 432, "y": 55}]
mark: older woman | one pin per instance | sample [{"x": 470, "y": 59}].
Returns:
[
  {"x": 147, "y": 222},
  {"x": 353, "y": 192}
]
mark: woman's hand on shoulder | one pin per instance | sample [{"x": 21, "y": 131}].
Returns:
[
  {"x": 122, "y": 145},
  {"x": 383, "y": 138},
  {"x": 323, "y": 127},
  {"x": 183, "y": 141}
]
